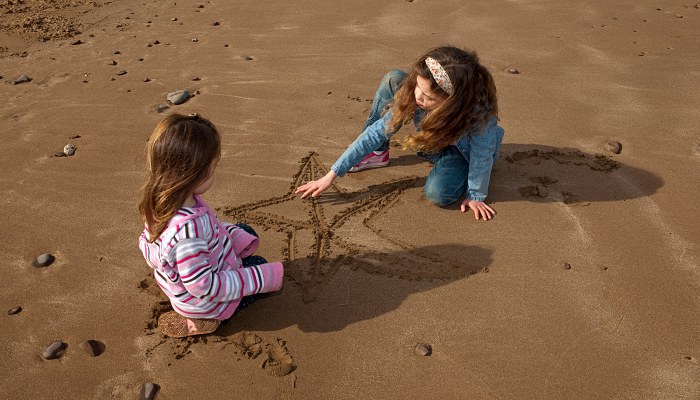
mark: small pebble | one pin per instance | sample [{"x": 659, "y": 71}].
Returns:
[
  {"x": 22, "y": 79},
  {"x": 200, "y": 6},
  {"x": 161, "y": 108},
  {"x": 215, "y": 23},
  {"x": 178, "y": 97},
  {"x": 195, "y": 40},
  {"x": 679, "y": 16},
  {"x": 149, "y": 391},
  {"x": 13, "y": 311},
  {"x": 122, "y": 72},
  {"x": 117, "y": 52},
  {"x": 77, "y": 42},
  {"x": 93, "y": 347},
  {"x": 195, "y": 78},
  {"x": 566, "y": 265},
  {"x": 613, "y": 146},
  {"x": 59, "y": 154},
  {"x": 74, "y": 137},
  {"x": 69, "y": 149},
  {"x": 146, "y": 79},
  {"x": 43, "y": 260},
  {"x": 512, "y": 71},
  {"x": 603, "y": 267},
  {"x": 173, "y": 19},
  {"x": 423, "y": 349},
  {"x": 55, "y": 350},
  {"x": 225, "y": 45},
  {"x": 113, "y": 62}
]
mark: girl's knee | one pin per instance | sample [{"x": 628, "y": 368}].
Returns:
[
  {"x": 393, "y": 79},
  {"x": 438, "y": 196}
]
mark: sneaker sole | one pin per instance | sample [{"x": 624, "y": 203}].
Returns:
[{"x": 367, "y": 167}]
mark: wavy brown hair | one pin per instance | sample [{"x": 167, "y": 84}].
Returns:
[
  {"x": 179, "y": 156},
  {"x": 472, "y": 104}
]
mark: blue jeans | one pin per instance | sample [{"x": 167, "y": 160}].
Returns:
[{"x": 447, "y": 181}]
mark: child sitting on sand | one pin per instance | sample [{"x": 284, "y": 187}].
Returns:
[
  {"x": 205, "y": 266},
  {"x": 451, "y": 99}
]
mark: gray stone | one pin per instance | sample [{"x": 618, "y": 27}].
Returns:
[
  {"x": 122, "y": 72},
  {"x": 149, "y": 391},
  {"x": 69, "y": 149},
  {"x": 43, "y": 260},
  {"x": 55, "y": 350},
  {"x": 161, "y": 107},
  {"x": 423, "y": 349},
  {"x": 613, "y": 146},
  {"x": 13, "y": 311},
  {"x": 178, "y": 97},
  {"x": 22, "y": 79}
]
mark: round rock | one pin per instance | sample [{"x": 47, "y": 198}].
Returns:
[
  {"x": 13, "y": 311},
  {"x": 178, "y": 97},
  {"x": 512, "y": 71},
  {"x": 423, "y": 349},
  {"x": 149, "y": 391},
  {"x": 43, "y": 260},
  {"x": 93, "y": 347},
  {"x": 55, "y": 350},
  {"x": 613, "y": 146},
  {"x": 69, "y": 149}
]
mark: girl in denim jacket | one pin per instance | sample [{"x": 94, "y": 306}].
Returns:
[{"x": 451, "y": 99}]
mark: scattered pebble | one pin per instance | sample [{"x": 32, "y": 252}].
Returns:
[
  {"x": 173, "y": 19},
  {"x": 178, "y": 97},
  {"x": 512, "y": 71},
  {"x": 195, "y": 78},
  {"x": 122, "y": 72},
  {"x": 423, "y": 349},
  {"x": 43, "y": 260},
  {"x": 679, "y": 16},
  {"x": 215, "y": 23},
  {"x": 77, "y": 42},
  {"x": 22, "y": 79},
  {"x": 74, "y": 137},
  {"x": 69, "y": 149},
  {"x": 603, "y": 267},
  {"x": 59, "y": 154},
  {"x": 113, "y": 62},
  {"x": 566, "y": 265},
  {"x": 195, "y": 40},
  {"x": 161, "y": 107},
  {"x": 117, "y": 52},
  {"x": 55, "y": 350},
  {"x": 146, "y": 79},
  {"x": 613, "y": 146},
  {"x": 13, "y": 311},
  {"x": 225, "y": 45},
  {"x": 93, "y": 347},
  {"x": 200, "y": 6},
  {"x": 149, "y": 391}
]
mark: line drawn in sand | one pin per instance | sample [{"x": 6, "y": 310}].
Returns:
[{"x": 317, "y": 246}]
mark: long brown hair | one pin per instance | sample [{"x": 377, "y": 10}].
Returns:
[
  {"x": 179, "y": 155},
  {"x": 471, "y": 105}
]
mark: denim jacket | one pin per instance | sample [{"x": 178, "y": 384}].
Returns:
[{"x": 480, "y": 150}]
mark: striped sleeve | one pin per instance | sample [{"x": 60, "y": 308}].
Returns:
[
  {"x": 244, "y": 244},
  {"x": 204, "y": 281}
]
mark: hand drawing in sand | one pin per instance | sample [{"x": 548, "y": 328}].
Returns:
[{"x": 336, "y": 233}]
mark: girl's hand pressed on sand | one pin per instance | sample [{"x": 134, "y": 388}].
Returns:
[
  {"x": 480, "y": 209},
  {"x": 316, "y": 187}
]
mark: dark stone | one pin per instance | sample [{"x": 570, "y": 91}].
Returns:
[
  {"x": 93, "y": 347},
  {"x": 43, "y": 260},
  {"x": 215, "y": 23},
  {"x": 149, "y": 391},
  {"x": 161, "y": 107},
  {"x": 13, "y": 311},
  {"x": 122, "y": 72},
  {"x": 423, "y": 349},
  {"x": 54, "y": 351},
  {"x": 566, "y": 265}
]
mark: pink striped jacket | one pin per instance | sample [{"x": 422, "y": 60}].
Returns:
[{"x": 197, "y": 263}]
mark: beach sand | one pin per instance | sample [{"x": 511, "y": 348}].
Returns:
[{"x": 289, "y": 85}]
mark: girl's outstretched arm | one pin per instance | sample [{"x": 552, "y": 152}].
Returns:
[{"x": 314, "y": 188}]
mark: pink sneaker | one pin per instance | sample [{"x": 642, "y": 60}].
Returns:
[{"x": 375, "y": 159}]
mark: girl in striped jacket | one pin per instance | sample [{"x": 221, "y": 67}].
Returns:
[{"x": 204, "y": 266}]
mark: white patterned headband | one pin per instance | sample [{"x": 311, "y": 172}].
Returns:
[{"x": 439, "y": 74}]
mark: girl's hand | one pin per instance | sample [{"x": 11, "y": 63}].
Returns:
[
  {"x": 480, "y": 209},
  {"x": 316, "y": 187}
]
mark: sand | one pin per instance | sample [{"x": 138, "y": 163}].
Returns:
[{"x": 289, "y": 85}]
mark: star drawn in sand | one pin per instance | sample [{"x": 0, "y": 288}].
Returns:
[{"x": 347, "y": 237}]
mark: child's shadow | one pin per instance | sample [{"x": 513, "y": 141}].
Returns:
[
  {"x": 338, "y": 291},
  {"x": 568, "y": 175}
]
